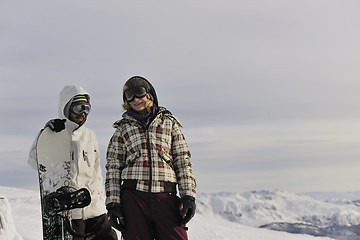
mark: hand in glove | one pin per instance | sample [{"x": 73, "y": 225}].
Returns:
[
  {"x": 188, "y": 209},
  {"x": 56, "y": 125},
  {"x": 115, "y": 216}
]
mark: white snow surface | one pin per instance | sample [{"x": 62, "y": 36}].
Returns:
[
  {"x": 7, "y": 226},
  {"x": 228, "y": 216}
]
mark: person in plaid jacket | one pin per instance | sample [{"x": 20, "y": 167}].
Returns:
[{"x": 147, "y": 161}]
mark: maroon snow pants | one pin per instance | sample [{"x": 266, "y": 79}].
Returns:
[{"x": 151, "y": 216}]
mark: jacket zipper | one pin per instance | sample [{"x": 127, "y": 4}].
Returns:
[
  {"x": 149, "y": 150},
  {"x": 150, "y": 160}
]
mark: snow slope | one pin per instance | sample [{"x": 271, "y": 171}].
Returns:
[
  {"x": 7, "y": 226},
  {"x": 25, "y": 208},
  {"x": 219, "y": 216}
]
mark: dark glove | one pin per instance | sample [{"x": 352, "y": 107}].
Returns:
[
  {"x": 56, "y": 125},
  {"x": 115, "y": 216},
  {"x": 188, "y": 209}
]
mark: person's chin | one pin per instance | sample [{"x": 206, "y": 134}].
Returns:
[{"x": 79, "y": 120}]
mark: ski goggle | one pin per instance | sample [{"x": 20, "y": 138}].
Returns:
[
  {"x": 138, "y": 92},
  {"x": 81, "y": 108}
]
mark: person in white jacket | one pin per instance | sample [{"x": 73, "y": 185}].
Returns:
[{"x": 73, "y": 109}]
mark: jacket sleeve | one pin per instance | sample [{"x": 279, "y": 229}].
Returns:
[
  {"x": 182, "y": 164},
  {"x": 115, "y": 154},
  {"x": 32, "y": 160}
]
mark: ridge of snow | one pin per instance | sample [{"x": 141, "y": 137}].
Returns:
[{"x": 257, "y": 208}]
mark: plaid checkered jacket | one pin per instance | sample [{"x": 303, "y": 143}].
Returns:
[{"x": 152, "y": 157}]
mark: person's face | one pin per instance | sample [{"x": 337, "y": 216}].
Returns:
[
  {"x": 139, "y": 104},
  {"x": 79, "y": 112},
  {"x": 77, "y": 118}
]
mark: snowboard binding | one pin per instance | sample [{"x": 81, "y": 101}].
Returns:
[{"x": 66, "y": 198}]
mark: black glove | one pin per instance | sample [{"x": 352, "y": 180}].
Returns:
[
  {"x": 115, "y": 216},
  {"x": 56, "y": 125},
  {"x": 188, "y": 209}
]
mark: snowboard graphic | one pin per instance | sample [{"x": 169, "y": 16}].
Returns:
[{"x": 57, "y": 196}]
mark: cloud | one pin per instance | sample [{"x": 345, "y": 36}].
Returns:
[{"x": 261, "y": 87}]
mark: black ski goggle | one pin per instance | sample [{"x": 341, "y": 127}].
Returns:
[
  {"x": 81, "y": 108},
  {"x": 138, "y": 92}
]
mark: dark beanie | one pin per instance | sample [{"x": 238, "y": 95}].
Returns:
[{"x": 137, "y": 81}]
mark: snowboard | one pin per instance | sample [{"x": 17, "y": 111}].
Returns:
[
  {"x": 57, "y": 195},
  {"x": 53, "y": 161}
]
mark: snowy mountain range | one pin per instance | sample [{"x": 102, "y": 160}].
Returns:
[
  {"x": 250, "y": 215},
  {"x": 328, "y": 214}
]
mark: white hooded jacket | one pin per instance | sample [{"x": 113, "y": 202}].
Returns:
[{"x": 85, "y": 162}]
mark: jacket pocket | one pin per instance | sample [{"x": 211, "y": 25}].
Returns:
[
  {"x": 131, "y": 158},
  {"x": 166, "y": 158},
  {"x": 90, "y": 157},
  {"x": 163, "y": 146}
]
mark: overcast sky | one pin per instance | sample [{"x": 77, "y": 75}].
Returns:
[{"x": 267, "y": 90}]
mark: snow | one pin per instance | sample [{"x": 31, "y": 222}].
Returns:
[
  {"x": 258, "y": 208},
  {"x": 230, "y": 216},
  {"x": 215, "y": 228},
  {"x": 7, "y": 226},
  {"x": 26, "y": 212}
]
